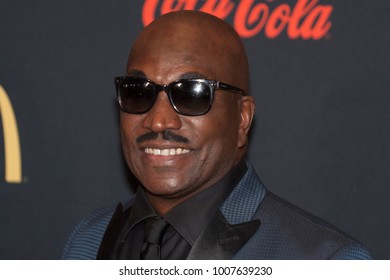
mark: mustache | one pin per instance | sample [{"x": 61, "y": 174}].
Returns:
[{"x": 166, "y": 135}]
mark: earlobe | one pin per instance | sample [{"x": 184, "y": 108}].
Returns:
[{"x": 247, "y": 114}]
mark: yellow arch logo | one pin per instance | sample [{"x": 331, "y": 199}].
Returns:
[{"x": 12, "y": 154}]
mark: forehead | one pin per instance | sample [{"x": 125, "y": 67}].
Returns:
[
  {"x": 179, "y": 49},
  {"x": 168, "y": 64}
]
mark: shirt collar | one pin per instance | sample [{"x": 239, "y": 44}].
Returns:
[{"x": 140, "y": 210}]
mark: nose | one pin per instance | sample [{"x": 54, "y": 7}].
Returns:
[{"x": 162, "y": 116}]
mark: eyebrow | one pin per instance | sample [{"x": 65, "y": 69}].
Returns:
[
  {"x": 188, "y": 75},
  {"x": 136, "y": 73},
  {"x": 192, "y": 75}
]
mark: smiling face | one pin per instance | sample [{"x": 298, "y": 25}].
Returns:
[{"x": 176, "y": 156}]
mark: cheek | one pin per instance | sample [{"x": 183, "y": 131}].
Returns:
[
  {"x": 125, "y": 130},
  {"x": 128, "y": 136},
  {"x": 219, "y": 139},
  {"x": 125, "y": 147}
]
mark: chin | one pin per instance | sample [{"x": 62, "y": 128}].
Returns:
[{"x": 168, "y": 190}]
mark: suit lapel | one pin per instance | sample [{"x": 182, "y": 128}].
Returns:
[
  {"x": 220, "y": 240},
  {"x": 112, "y": 234},
  {"x": 233, "y": 226}
]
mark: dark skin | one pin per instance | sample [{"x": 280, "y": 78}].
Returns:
[{"x": 187, "y": 44}]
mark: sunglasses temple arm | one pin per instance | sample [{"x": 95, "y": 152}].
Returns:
[{"x": 231, "y": 88}]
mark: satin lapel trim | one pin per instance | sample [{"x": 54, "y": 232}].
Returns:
[
  {"x": 111, "y": 234},
  {"x": 221, "y": 241}
]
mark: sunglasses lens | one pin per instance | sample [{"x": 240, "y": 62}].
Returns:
[
  {"x": 192, "y": 98},
  {"x": 136, "y": 96}
]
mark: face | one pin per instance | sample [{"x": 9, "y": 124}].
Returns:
[{"x": 190, "y": 153}]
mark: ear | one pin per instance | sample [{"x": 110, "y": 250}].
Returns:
[{"x": 247, "y": 112}]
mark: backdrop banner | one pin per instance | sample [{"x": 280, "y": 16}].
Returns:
[{"x": 321, "y": 138}]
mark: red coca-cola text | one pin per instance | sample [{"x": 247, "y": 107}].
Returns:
[{"x": 307, "y": 19}]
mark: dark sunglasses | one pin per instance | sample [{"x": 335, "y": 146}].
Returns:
[{"x": 190, "y": 97}]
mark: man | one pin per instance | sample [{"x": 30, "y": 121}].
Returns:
[{"x": 185, "y": 117}]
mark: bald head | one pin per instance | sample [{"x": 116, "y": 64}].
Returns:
[{"x": 191, "y": 38}]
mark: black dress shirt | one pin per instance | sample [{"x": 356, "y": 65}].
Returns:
[{"x": 186, "y": 220}]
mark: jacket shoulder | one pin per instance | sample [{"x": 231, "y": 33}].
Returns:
[
  {"x": 289, "y": 232},
  {"x": 84, "y": 241}
]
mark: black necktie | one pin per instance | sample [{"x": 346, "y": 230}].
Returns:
[{"x": 154, "y": 228}]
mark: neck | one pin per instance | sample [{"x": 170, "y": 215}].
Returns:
[{"x": 163, "y": 204}]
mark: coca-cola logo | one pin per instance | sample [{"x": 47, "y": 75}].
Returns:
[{"x": 305, "y": 19}]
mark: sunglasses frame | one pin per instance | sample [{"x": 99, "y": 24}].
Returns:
[{"x": 212, "y": 84}]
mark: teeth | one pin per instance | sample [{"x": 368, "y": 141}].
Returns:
[{"x": 166, "y": 152}]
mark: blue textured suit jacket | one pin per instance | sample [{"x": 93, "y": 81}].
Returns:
[{"x": 252, "y": 223}]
